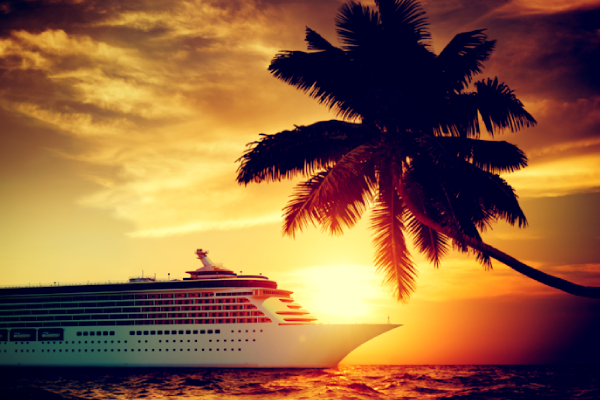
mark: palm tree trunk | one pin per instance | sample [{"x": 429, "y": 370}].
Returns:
[{"x": 542, "y": 277}]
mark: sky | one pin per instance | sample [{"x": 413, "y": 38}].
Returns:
[{"x": 120, "y": 125}]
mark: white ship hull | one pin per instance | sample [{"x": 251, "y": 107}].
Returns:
[
  {"x": 215, "y": 318},
  {"x": 277, "y": 346}
]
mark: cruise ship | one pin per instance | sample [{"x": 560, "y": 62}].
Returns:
[{"x": 213, "y": 318}]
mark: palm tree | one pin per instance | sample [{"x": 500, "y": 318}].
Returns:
[{"x": 407, "y": 146}]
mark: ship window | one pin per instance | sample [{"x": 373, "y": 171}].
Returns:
[
  {"x": 92, "y": 333},
  {"x": 210, "y": 331},
  {"x": 195, "y": 332},
  {"x": 153, "y": 332},
  {"x": 202, "y": 332},
  {"x": 187, "y": 332},
  {"x": 146, "y": 332},
  {"x": 174, "y": 332},
  {"x": 85, "y": 333},
  {"x": 159, "y": 332},
  {"x": 78, "y": 333},
  {"x": 132, "y": 332},
  {"x": 112, "y": 333},
  {"x": 166, "y": 332},
  {"x": 105, "y": 333}
]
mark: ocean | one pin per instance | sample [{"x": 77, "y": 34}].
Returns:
[{"x": 342, "y": 382}]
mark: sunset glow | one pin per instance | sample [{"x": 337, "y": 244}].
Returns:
[{"x": 121, "y": 125}]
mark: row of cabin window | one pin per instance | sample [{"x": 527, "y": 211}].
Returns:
[
  {"x": 46, "y": 300},
  {"x": 93, "y": 313},
  {"x": 38, "y": 308},
  {"x": 137, "y": 322},
  {"x": 96, "y": 333},
  {"x": 111, "y": 350},
  {"x": 119, "y": 310},
  {"x": 135, "y": 316},
  {"x": 174, "y": 332},
  {"x": 39, "y": 299}
]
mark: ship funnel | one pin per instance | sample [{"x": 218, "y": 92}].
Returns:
[{"x": 203, "y": 256}]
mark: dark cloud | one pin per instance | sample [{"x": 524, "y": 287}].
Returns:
[{"x": 555, "y": 55}]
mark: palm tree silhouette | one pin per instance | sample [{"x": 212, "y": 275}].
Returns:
[{"x": 413, "y": 152}]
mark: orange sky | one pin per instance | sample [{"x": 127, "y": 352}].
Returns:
[{"x": 121, "y": 123}]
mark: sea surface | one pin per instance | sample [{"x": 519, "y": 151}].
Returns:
[{"x": 343, "y": 382}]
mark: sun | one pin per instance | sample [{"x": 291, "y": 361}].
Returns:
[{"x": 343, "y": 293}]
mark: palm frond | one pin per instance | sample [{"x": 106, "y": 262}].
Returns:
[
  {"x": 490, "y": 156},
  {"x": 463, "y": 57},
  {"x": 432, "y": 186},
  {"x": 357, "y": 26},
  {"x": 392, "y": 257},
  {"x": 456, "y": 116},
  {"x": 301, "y": 151},
  {"x": 324, "y": 76},
  {"x": 317, "y": 42},
  {"x": 500, "y": 108},
  {"x": 404, "y": 20},
  {"x": 335, "y": 198},
  {"x": 495, "y": 198},
  {"x": 429, "y": 241}
]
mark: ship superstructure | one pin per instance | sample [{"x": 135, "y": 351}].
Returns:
[{"x": 214, "y": 318}]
